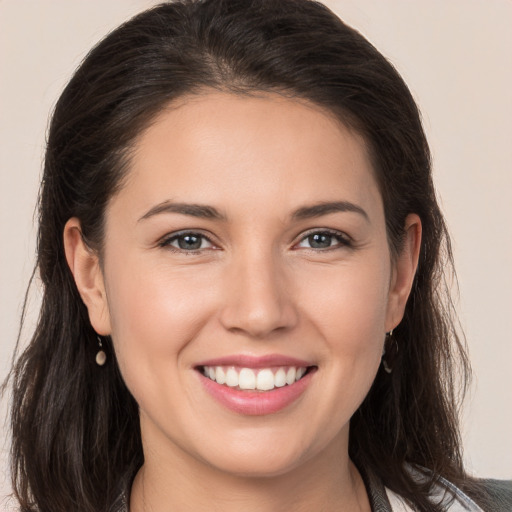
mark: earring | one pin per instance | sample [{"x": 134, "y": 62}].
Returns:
[
  {"x": 389, "y": 336},
  {"x": 101, "y": 356}
]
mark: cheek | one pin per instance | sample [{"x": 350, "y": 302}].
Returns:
[
  {"x": 348, "y": 305},
  {"x": 344, "y": 308},
  {"x": 154, "y": 313},
  {"x": 348, "y": 309}
]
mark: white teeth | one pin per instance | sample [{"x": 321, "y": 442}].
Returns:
[
  {"x": 279, "y": 378},
  {"x": 290, "y": 375},
  {"x": 232, "y": 378},
  {"x": 220, "y": 375},
  {"x": 265, "y": 380},
  {"x": 247, "y": 379},
  {"x": 300, "y": 373}
]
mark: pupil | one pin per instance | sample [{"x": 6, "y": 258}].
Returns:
[
  {"x": 189, "y": 242},
  {"x": 320, "y": 241}
]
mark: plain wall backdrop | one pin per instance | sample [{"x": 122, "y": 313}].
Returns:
[{"x": 456, "y": 57}]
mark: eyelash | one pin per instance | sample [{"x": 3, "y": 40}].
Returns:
[
  {"x": 167, "y": 241},
  {"x": 341, "y": 238}
]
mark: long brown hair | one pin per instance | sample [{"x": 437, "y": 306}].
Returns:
[{"x": 75, "y": 425}]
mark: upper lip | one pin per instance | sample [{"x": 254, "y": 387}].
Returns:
[{"x": 251, "y": 361}]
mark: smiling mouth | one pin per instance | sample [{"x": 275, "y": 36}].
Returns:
[{"x": 261, "y": 379}]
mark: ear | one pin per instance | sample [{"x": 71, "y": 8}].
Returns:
[
  {"x": 404, "y": 270},
  {"x": 85, "y": 267}
]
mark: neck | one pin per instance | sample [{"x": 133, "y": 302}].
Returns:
[{"x": 330, "y": 483}]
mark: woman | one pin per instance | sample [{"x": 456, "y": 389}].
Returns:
[{"x": 241, "y": 250}]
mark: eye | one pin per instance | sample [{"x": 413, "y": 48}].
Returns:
[
  {"x": 324, "y": 240},
  {"x": 187, "y": 241}
]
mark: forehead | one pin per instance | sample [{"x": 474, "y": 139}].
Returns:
[{"x": 218, "y": 147}]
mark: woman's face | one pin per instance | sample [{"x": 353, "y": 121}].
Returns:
[{"x": 248, "y": 246}]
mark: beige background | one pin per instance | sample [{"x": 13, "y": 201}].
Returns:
[{"x": 456, "y": 56}]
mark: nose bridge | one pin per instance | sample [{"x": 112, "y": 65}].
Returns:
[{"x": 257, "y": 300}]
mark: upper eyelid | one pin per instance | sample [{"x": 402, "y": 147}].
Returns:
[
  {"x": 344, "y": 240},
  {"x": 182, "y": 232},
  {"x": 166, "y": 239},
  {"x": 329, "y": 231}
]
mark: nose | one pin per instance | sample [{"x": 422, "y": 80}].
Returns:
[{"x": 258, "y": 299}]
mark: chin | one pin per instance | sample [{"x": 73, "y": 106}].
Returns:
[
  {"x": 266, "y": 457},
  {"x": 259, "y": 467}
]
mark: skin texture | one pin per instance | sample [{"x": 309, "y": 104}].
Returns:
[{"x": 255, "y": 287}]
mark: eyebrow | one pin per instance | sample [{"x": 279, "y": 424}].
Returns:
[
  {"x": 325, "y": 208},
  {"x": 194, "y": 210},
  {"x": 209, "y": 212}
]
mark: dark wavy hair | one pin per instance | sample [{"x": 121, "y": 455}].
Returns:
[{"x": 75, "y": 425}]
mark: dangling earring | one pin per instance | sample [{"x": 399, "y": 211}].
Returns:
[
  {"x": 101, "y": 356},
  {"x": 389, "y": 337}
]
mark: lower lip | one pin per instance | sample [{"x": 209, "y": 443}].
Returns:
[{"x": 256, "y": 403}]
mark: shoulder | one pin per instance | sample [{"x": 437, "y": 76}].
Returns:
[
  {"x": 479, "y": 495},
  {"x": 496, "y": 495},
  {"x": 485, "y": 495}
]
